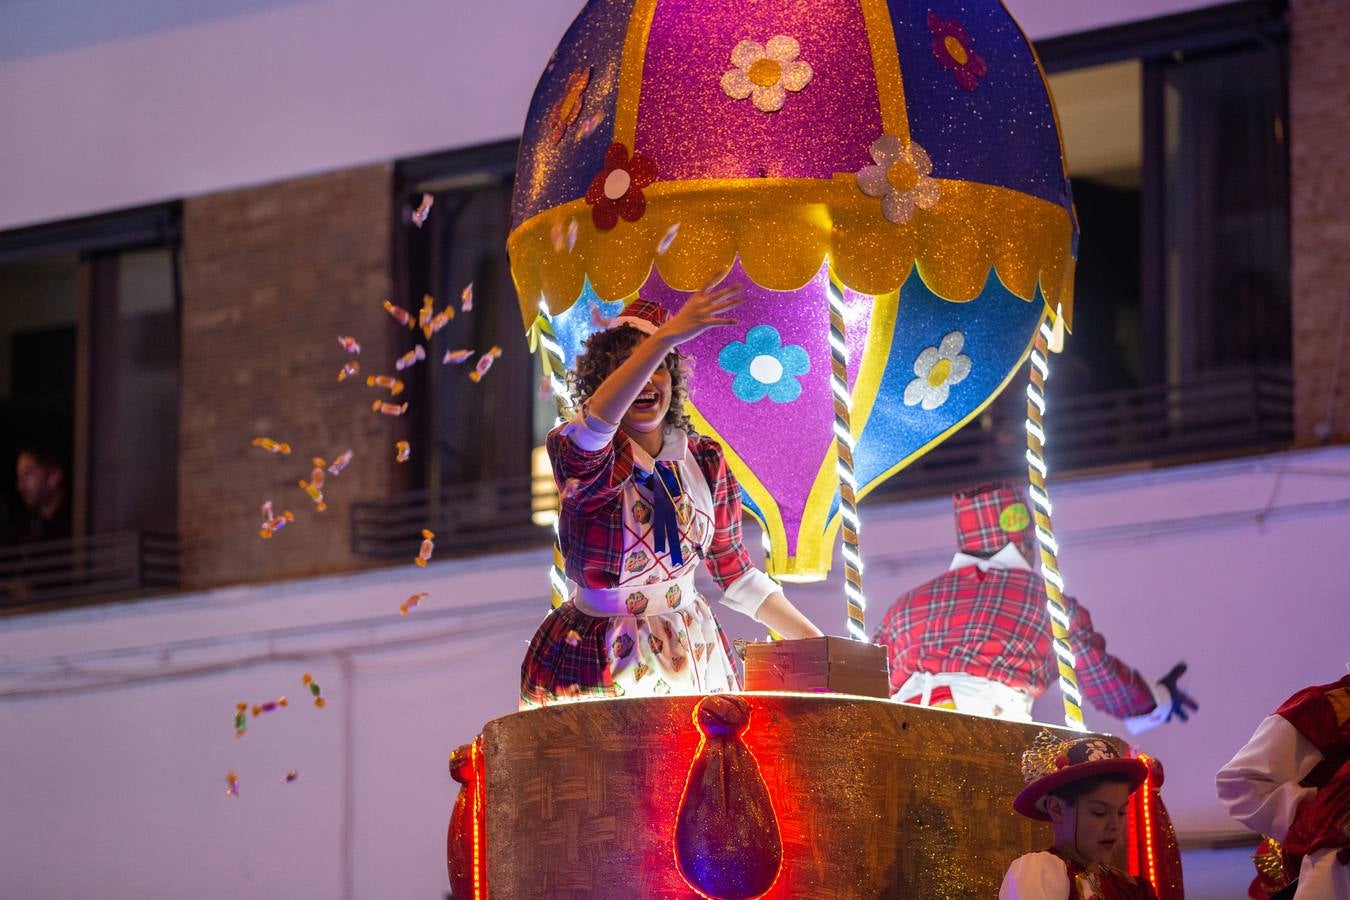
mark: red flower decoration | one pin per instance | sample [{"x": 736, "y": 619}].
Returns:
[
  {"x": 951, "y": 46},
  {"x": 616, "y": 192}
]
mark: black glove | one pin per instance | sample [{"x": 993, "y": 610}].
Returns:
[{"x": 1181, "y": 701}]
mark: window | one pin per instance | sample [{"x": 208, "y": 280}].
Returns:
[{"x": 88, "y": 406}]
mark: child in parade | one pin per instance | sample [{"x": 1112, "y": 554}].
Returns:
[
  {"x": 1082, "y": 787},
  {"x": 643, "y": 501}
]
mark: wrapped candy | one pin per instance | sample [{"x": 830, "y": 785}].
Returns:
[
  {"x": 272, "y": 446},
  {"x": 269, "y": 706},
  {"x": 314, "y": 689},
  {"x": 350, "y": 369},
  {"x": 667, "y": 239},
  {"x": 290, "y": 776},
  {"x": 484, "y": 363},
  {"x": 404, "y": 451},
  {"x": 232, "y": 784},
  {"x": 240, "y": 719},
  {"x": 412, "y": 602},
  {"x": 389, "y": 409},
  {"x": 314, "y": 487},
  {"x": 412, "y": 357},
  {"x": 401, "y": 315},
  {"x": 340, "y": 463},
  {"x": 466, "y": 298},
  {"x": 428, "y": 545},
  {"x": 349, "y": 344},
  {"x": 424, "y": 316},
  {"x": 389, "y": 382},
  {"x": 272, "y": 526},
  {"x": 456, "y": 356},
  {"x": 267, "y": 511},
  {"x": 419, "y": 215},
  {"x": 441, "y": 319}
]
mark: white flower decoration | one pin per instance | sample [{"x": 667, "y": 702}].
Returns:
[
  {"x": 938, "y": 368},
  {"x": 766, "y": 72},
  {"x": 900, "y": 177}
]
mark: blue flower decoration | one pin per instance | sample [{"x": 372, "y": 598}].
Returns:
[{"x": 764, "y": 366}]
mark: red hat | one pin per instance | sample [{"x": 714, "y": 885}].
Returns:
[
  {"x": 991, "y": 516},
  {"x": 644, "y": 315},
  {"x": 1053, "y": 762}
]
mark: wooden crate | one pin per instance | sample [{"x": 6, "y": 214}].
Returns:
[{"x": 827, "y": 664}]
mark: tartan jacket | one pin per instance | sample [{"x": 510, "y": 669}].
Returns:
[
  {"x": 590, "y": 527},
  {"x": 994, "y": 624}
]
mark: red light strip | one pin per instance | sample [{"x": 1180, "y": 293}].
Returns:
[
  {"x": 475, "y": 808},
  {"x": 1148, "y": 824}
]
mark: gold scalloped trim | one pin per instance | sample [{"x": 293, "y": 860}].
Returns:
[{"x": 782, "y": 230}]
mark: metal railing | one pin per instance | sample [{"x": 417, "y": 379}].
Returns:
[
  {"x": 491, "y": 515},
  {"x": 1247, "y": 411},
  {"x": 98, "y": 565},
  {"x": 1218, "y": 415}
]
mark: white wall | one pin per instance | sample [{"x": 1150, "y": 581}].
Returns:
[
  {"x": 117, "y": 720},
  {"x": 109, "y": 105}
]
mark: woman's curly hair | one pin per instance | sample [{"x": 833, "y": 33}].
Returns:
[{"x": 605, "y": 351}]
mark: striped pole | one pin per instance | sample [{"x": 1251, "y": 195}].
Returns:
[
  {"x": 848, "y": 486},
  {"x": 1045, "y": 535},
  {"x": 551, "y": 355}
]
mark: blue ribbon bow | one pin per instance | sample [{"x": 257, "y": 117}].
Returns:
[{"x": 665, "y": 523}]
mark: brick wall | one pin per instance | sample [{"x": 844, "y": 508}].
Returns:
[
  {"x": 270, "y": 277},
  {"x": 1319, "y": 100}
]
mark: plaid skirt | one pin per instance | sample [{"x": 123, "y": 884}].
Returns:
[{"x": 577, "y": 656}]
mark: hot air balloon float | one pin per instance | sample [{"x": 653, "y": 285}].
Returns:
[{"x": 887, "y": 182}]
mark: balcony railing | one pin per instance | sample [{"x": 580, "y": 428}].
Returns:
[
  {"x": 1226, "y": 414},
  {"x": 491, "y": 515},
  {"x": 1240, "y": 412},
  {"x": 100, "y": 565}
]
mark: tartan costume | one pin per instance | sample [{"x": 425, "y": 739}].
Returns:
[
  {"x": 661, "y": 637},
  {"x": 985, "y": 622}
]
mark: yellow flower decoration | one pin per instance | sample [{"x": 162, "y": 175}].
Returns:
[{"x": 766, "y": 72}]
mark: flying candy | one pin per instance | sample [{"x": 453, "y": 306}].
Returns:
[
  {"x": 240, "y": 719},
  {"x": 389, "y": 409},
  {"x": 559, "y": 237},
  {"x": 419, "y": 216},
  {"x": 456, "y": 356},
  {"x": 412, "y": 357},
  {"x": 412, "y": 602},
  {"x": 441, "y": 319},
  {"x": 598, "y": 318},
  {"x": 394, "y": 386},
  {"x": 272, "y": 526},
  {"x": 269, "y": 706},
  {"x": 267, "y": 511},
  {"x": 350, "y": 369},
  {"x": 309, "y": 682},
  {"x": 272, "y": 446},
  {"x": 428, "y": 545},
  {"x": 404, "y": 451},
  {"x": 349, "y": 344},
  {"x": 466, "y": 298},
  {"x": 232, "y": 784},
  {"x": 290, "y": 776},
  {"x": 667, "y": 239},
  {"x": 401, "y": 315},
  {"x": 314, "y": 487},
  {"x": 484, "y": 363},
  {"x": 340, "y": 463},
  {"x": 589, "y": 124},
  {"x": 571, "y": 235},
  {"x": 424, "y": 317}
]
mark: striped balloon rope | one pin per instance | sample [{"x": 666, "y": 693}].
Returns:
[
  {"x": 1045, "y": 535},
  {"x": 848, "y": 486},
  {"x": 551, "y": 355}
]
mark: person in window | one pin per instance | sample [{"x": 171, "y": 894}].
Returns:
[
  {"x": 644, "y": 499},
  {"x": 40, "y": 479},
  {"x": 977, "y": 638},
  {"x": 1082, "y": 787}
]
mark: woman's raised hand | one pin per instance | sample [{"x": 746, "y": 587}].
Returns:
[{"x": 702, "y": 311}]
